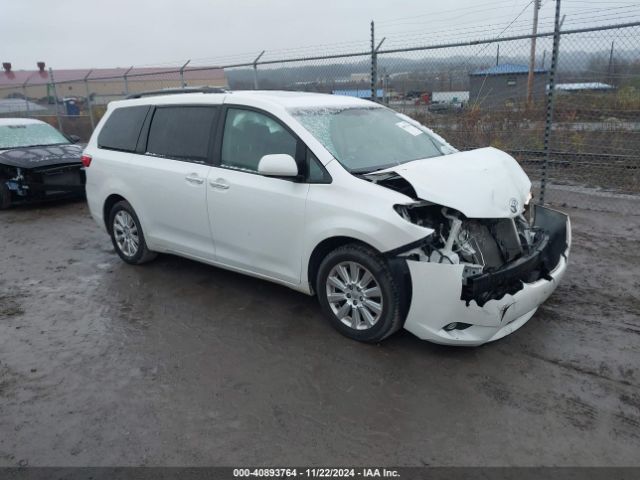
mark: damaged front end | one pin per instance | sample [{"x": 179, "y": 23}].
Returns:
[
  {"x": 40, "y": 173},
  {"x": 43, "y": 183},
  {"x": 475, "y": 280}
]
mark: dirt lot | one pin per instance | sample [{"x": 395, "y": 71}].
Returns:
[{"x": 178, "y": 363}]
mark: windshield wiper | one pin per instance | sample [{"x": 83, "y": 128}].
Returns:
[{"x": 366, "y": 171}]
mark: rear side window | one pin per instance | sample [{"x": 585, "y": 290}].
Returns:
[
  {"x": 122, "y": 129},
  {"x": 181, "y": 132}
]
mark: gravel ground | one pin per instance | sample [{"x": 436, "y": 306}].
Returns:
[{"x": 179, "y": 363}]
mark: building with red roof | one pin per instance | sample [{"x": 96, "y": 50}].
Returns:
[{"x": 102, "y": 84}]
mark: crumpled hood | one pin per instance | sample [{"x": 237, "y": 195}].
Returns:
[
  {"x": 34, "y": 157},
  {"x": 482, "y": 183}
]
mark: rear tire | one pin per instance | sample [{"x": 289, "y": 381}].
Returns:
[
  {"x": 127, "y": 236},
  {"x": 358, "y": 293}
]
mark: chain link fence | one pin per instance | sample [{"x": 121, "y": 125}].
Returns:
[{"x": 572, "y": 120}]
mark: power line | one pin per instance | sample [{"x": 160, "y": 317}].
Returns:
[
  {"x": 575, "y": 19},
  {"x": 432, "y": 13},
  {"x": 625, "y": 10}
]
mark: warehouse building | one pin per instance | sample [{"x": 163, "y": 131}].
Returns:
[
  {"x": 103, "y": 84},
  {"x": 505, "y": 86}
]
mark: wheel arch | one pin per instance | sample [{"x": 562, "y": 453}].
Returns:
[
  {"x": 110, "y": 201},
  {"x": 322, "y": 249},
  {"x": 398, "y": 266}
]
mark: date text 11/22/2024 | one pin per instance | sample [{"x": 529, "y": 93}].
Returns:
[{"x": 315, "y": 472}]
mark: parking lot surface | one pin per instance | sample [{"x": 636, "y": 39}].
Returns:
[{"x": 180, "y": 363}]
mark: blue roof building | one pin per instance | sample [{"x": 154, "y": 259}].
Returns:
[
  {"x": 359, "y": 93},
  {"x": 507, "y": 69}
]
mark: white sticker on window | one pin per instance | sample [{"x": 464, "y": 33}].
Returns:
[{"x": 407, "y": 127}]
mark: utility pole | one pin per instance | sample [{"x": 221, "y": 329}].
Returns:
[
  {"x": 498, "y": 55},
  {"x": 532, "y": 58}
]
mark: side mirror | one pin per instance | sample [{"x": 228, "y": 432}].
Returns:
[
  {"x": 278, "y": 165},
  {"x": 73, "y": 138}
]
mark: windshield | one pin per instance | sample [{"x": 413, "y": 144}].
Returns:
[
  {"x": 30, "y": 135},
  {"x": 365, "y": 139}
]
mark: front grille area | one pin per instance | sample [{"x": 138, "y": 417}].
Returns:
[{"x": 57, "y": 179}]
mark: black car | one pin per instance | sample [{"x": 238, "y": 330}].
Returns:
[{"x": 37, "y": 162}]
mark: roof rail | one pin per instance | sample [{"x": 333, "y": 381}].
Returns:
[{"x": 171, "y": 91}]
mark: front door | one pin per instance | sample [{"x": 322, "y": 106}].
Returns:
[{"x": 257, "y": 222}]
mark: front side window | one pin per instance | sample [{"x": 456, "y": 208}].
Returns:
[
  {"x": 122, "y": 129},
  {"x": 249, "y": 135},
  {"x": 30, "y": 135},
  {"x": 364, "y": 139},
  {"x": 181, "y": 132}
]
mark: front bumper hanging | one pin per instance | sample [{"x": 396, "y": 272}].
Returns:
[
  {"x": 496, "y": 303},
  {"x": 529, "y": 268}
]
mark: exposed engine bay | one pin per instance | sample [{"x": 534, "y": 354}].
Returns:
[
  {"x": 479, "y": 242},
  {"x": 498, "y": 254}
]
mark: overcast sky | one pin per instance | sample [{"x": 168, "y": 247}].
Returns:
[{"x": 121, "y": 33}]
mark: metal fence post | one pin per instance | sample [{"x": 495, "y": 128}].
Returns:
[
  {"x": 374, "y": 64},
  {"x": 24, "y": 94},
  {"x": 126, "y": 80},
  {"x": 551, "y": 86},
  {"x": 255, "y": 70},
  {"x": 89, "y": 106},
  {"x": 55, "y": 97},
  {"x": 182, "y": 84}
]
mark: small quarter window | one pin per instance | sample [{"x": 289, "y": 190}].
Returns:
[
  {"x": 317, "y": 172},
  {"x": 181, "y": 132}
]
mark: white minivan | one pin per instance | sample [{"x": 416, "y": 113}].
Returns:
[{"x": 383, "y": 220}]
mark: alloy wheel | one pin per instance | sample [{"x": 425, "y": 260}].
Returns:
[
  {"x": 126, "y": 233},
  {"x": 354, "y": 295}
]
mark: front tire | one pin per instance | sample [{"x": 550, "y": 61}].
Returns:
[
  {"x": 358, "y": 293},
  {"x": 127, "y": 236}
]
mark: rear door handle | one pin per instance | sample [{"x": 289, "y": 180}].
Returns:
[
  {"x": 194, "y": 178},
  {"x": 219, "y": 184}
]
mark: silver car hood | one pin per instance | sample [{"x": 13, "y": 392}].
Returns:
[{"x": 482, "y": 183}]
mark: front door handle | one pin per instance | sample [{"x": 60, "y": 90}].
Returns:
[
  {"x": 219, "y": 184},
  {"x": 194, "y": 178}
]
